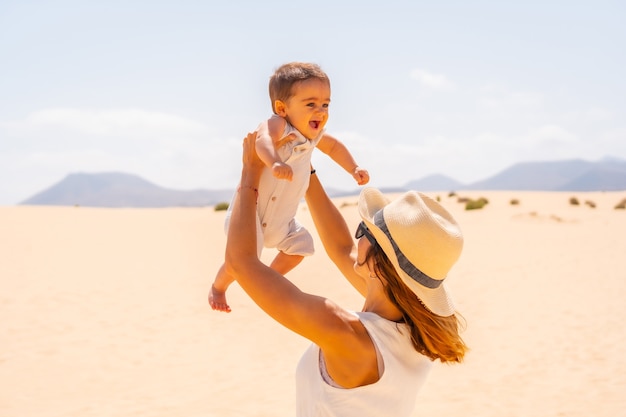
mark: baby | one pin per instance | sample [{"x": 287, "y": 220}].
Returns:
[{"x": 300, "y": 96}]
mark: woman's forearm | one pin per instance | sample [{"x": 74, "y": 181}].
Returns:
[
  {"x": 330, "y": 224},
  {"x": 241, "y": 244},
  {"x": 334, "y": 232},
  {"x": 241, "y": 250}
]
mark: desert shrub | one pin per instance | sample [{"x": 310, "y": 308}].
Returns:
[
  {"x": 451, "y": 194},
  {"x": 438, "y": 199},
  {"x": 621, "y": 205},
  {"x": 590, "y": 203},
  {"x": 463, "y": 200},
  {"x": 221, "y": 206},
  {"x": 514, "y": 202},
  {"x": 476, "y": 204},
  {"x": 574, "y": 201}
]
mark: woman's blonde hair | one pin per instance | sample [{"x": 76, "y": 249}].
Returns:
[{"x": 434, "y": 336}]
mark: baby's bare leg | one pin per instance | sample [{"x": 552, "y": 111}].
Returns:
[
  {"x": 284, "y": 263},
  {"x": 217, "y": 295}
]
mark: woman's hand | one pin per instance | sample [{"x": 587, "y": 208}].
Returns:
[
  {"x": 250, "y": 158},
  {"x": 252, "y": 164}
]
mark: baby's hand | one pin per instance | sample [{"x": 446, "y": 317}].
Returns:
[
  {"x": 361, "y": 176},
  {"x": 290, "y": 137},
  {"x": 282, "y": 171}
]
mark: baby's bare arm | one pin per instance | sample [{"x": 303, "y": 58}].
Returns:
[
  {"x": 267, "y": 143},
  {"x": 266, "y": 132},
  {"x": 339, "y": 153}
]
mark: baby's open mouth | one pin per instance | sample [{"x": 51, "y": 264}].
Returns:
[{"x": 314, "y": 124}]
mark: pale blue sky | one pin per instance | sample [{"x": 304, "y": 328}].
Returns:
[{"x": 166, "y": 90}]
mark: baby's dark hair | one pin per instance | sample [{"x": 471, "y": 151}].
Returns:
[{"x": 287, "y": 75}]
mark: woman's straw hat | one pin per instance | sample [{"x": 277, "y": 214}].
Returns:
[{"x": 420, "y": 238}]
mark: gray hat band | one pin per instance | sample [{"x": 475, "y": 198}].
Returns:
[{"x": 406, "y": 265}]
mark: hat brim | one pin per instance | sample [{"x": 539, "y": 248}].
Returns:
[{"x": 437, "y": 300}]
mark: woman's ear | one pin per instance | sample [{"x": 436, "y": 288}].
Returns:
[{"x": 280, "y": 108}]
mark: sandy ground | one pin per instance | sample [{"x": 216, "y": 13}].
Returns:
[{"x": 103, "y": 312}]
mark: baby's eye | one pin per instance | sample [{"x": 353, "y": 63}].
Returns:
[
  {"x": 325, "y": 105},
  {"x": 311, "y": 105}
]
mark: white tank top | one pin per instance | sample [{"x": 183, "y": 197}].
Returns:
[{"x": 404, "y": 372}]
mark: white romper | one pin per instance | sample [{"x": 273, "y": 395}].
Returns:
[
  {"x": 394, "y": 394},
  {"x": 279, "y": 200}
]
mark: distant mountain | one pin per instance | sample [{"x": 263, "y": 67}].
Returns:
[
  {"x": 610, "y": 175},
  {"x": 114, "y": 189},
  {"x": 569, "y": 175}
]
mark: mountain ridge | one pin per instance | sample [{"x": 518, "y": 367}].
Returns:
[{"x": 117, "y": 189}]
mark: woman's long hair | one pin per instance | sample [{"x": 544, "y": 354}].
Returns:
[{"x": 434, "y": 336}]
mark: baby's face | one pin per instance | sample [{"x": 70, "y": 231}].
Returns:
[{"x": 307, "y": 108}]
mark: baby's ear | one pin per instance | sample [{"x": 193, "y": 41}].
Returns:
[{"x": 279, "y": 108}]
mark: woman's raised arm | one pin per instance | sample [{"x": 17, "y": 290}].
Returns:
[
  {"x": 334, "y": 233},
  {"x": 316, "y": 318}
]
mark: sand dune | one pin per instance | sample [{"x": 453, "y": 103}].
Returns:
[{"x": 103, "y": 313}]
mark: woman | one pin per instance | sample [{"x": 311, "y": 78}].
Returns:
[{"x": 369, "y": 363}]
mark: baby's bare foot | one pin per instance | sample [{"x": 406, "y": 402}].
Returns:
[{"x": 217, "y": 300}]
